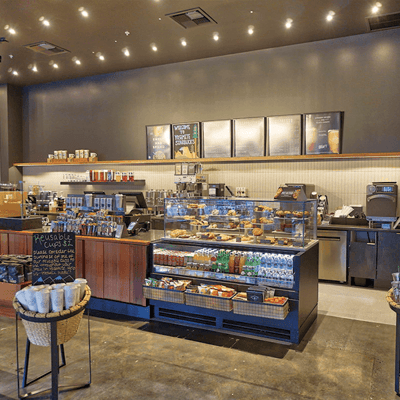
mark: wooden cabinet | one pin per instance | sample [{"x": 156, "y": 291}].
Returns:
[{"x": 115, "y": 270}]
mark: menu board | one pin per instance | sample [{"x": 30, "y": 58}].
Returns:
[
  {"x": 158, "y": 142},
  {"x": 284, "y": 135},
  {"x": 186, "y": 140},
  {"x": 249, "y": 137},
  {"x": 323, "y": 132},
  {"x": 217, "y": 139},
  {"x": 53, "y": 257}
]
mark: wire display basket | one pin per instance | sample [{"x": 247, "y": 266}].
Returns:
[
  {"x": 263, "y": 310},
  {"x": 206, "y": 301},
  {"x": 170, "y": 295},
  {"x": 37, "y": 325}
]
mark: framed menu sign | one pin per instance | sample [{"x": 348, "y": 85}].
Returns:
[
  {"x": 323, "y": 132},
  {"x": 53, "y": 257},
  {"x": 158, "y": 142},
  {"x": 217, "y": 138},
  {"x": 249, "y": 137},
  {"x": 284, "y": 135},
  {"x": 186, "y": 140}
]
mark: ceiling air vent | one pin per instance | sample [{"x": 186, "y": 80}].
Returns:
[
  {"x": 387, "y": 21},
  {"x": 191, "y": 18},
  {"x": 46, "y": 48}
]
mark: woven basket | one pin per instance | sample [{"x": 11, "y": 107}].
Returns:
[
  {"x": 390, "y": 300},
  {"x": 38, "y": 329}
]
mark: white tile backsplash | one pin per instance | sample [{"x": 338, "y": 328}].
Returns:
[{"x": 343, "y": 181}]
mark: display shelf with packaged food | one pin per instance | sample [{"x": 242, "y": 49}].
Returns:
[{"x": 283, "y": 261}]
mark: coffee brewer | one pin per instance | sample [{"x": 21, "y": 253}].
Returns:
[{"x": 190, "y": 181}]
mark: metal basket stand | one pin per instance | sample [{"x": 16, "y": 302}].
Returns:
[{"x": 54, "y": 349}]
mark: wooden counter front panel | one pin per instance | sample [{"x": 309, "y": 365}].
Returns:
[
  {"x": 17, "y": 243},
  {"x": 117, "y": 275},
  {"x": 4, "y": 243},
  {"x": 93, "y": 267},
  {"x": 138, "y": 256}
]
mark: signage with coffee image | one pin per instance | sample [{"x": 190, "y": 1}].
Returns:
[
  {"x": 186, "y": 140},
  {"x": 158, "y": 142},
  {"x": 322, "y": 132}
]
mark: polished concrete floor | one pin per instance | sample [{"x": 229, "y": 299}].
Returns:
[{"x": 347, "y": 354}]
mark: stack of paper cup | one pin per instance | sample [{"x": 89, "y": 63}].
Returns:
[
  {"x": 82, "y": 283},
  {"x": 20, "y": 295},
  {"x": 71, "y": 293},
  {"x": 43, "y": 300},
  {"x": 31, "y": 299},
  {"x": 57, "y": 300}
]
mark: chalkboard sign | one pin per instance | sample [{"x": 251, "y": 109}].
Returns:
[
  {"x": 158, "y": 142},
  {"x": 284, "y": 135},
  {"x": 217, "y": 138},
  {"x": 249, "y": 137},
  {"x": 186, "y": 140},
  {"x": 323, "y": 132},
  {"x": 53, "y": 258}
]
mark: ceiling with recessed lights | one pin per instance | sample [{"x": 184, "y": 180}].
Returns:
[{"x": 52, "y": 40}]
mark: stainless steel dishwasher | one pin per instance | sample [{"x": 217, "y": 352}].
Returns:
[{"x": 332, "y": 255}]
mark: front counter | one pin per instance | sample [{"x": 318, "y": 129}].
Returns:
[{"x": 114, "y": 268}]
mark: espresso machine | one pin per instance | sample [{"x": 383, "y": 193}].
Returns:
[{"x": 190, "y": 181}]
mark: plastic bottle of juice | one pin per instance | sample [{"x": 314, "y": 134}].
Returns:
[
  {"x": 236, "y": 263},
  {"x": 231, "y": 263},
  {"x": 242, "y": 262}
]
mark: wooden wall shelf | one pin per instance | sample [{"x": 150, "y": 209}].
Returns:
[
  {"x": 138, "y": 182},
  {"x": 314, "y": 157}
]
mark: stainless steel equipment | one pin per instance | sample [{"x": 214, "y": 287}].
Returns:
[
  {"x": 308, "y": 188},
  {"x": 382, "y": 201},
  {"x": 216, "y": 189},
  {"x": 332, "y": 255}
]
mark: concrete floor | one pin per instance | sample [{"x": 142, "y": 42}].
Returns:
[{"x": 340, "y": 358}]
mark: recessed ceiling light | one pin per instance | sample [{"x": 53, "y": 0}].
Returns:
[
  {"x": 126, "y": 52},
  {"x": 15, "y": 73},
  {"x": 55, "y": 65},
  {"x": 12, "y": 31},
  {"x": 288, "y": 23},
  {"x": 77, "y": 62},
  {"x": 330, "y": 15},
  {"x": 6, "y": 27},
  {"x": 9, "y": 70},
  {"x": 376, "y": 7},
  {"x": 34, "y": 69},
  {"x": 159, "y": 19},
  {"x": 115, "y": 41},
  {"x": 216, "y": 36},
  {"x": 101, "y": 58},
  {"x": 45, "y": 22},
  {"x": 251, "y": 12},
  {"x": 83, "y": 12},
  {"x": 250, "y": 30},
  {"x": 127, "y": 33},
  {"x": 153, "y": 47},
  {"x": 41, "y": 19},
  {"x": 11, "y": 56},
  {"x": 183, "y": 42}
]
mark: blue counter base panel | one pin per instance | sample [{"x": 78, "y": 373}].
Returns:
[
  {"x": 117, "y": 307},
  {"x": 283, "y": 330}
]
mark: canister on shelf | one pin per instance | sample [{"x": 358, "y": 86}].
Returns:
[
  {"x": 85, "y": 153},
  {"x": 124, "y": 177},
  {"x": 131, "y": 176}
]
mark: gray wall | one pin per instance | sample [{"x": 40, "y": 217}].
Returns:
[
  {"x": 108, "y": 114},
  {"x": 11, "y": 147}
]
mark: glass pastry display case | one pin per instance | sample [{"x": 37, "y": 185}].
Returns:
[
  {"x": 218, "y": 255},
  {"x": 260, "y": 223}
]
